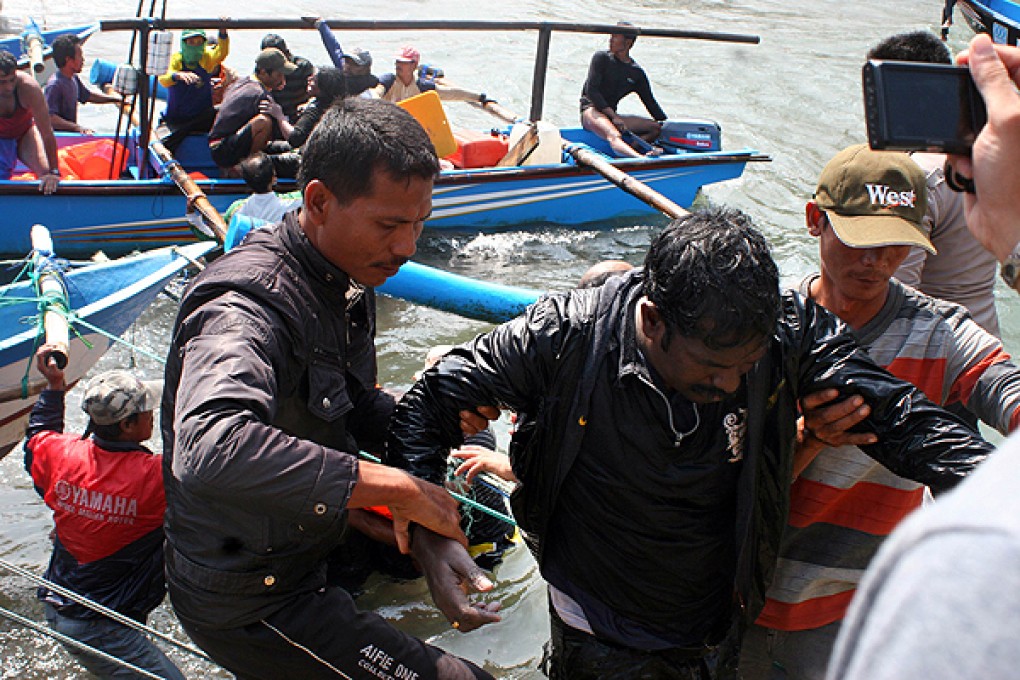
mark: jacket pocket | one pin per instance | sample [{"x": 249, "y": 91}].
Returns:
[{"x": 327, "y": 388}]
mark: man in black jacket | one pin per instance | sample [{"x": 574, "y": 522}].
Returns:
[
  {"x": 271, "y": 391},
  {"x": 658, "y": 421}
]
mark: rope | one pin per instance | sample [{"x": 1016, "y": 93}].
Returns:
[
  {"x": 463, "y": 499},
  {"x": 96, "y": 607},
  {"x": 39, "y": 628}
]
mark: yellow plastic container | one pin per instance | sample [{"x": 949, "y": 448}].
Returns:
[{"x": 427, "y": 109}]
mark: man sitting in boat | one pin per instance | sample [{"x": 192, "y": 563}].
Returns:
[
  {"x": 188, "y": 79},
  {"x": 294, "y": 92},
  {"x": 868, "y": 212},
  {"x": 25, "y": 130},
  {"x": 657, "y": 427},
  {"x": 613, "y": 75},
  {"x": 65, "y": 90},
  {"x": 249, "y": 119},
  {"x": 398, "y": 86},
  {"x": 106, "y": 493},
  {"x": 356, "y": 64},
  {"x": 272, "y": 390}
]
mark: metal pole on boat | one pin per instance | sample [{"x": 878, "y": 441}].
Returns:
[
  {"x": 144, "y": 27},
  {"x": 49, "y": 283},
  {"x": 541, "y": 64}
]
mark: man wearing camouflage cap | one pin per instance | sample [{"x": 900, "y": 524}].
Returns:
[
  {"x": 106, "y": 493},
  {"x": 867, "y": 213}
]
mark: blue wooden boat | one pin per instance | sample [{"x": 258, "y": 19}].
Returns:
[
  {"x": 998, "y": 18},
  {"x": 108, "y": 296},
  {"x": 119, "y": 216},
  {"x": 16, "y": 45}
]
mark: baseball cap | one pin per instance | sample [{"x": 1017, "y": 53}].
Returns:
[
  {"x": 408, "y": 53},
  {"x": 112, "y": 396},
  {"x": 874, "y": 198},
  {"x": 359, "y": 56},
  {"x": 191, "y": 33},
  {"x": 272, "y": 59}
]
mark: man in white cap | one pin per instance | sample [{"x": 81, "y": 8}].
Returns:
[
  {"x": 106, "y": 493},
  {"x": 867, "y": 213}
]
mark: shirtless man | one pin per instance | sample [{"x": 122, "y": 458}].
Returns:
[
  {"x": 25, "y": 130},
  {"x": 613, "y": 75}
]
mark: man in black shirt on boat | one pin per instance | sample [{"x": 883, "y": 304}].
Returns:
[
  {"x": 613, "y": 75},
  {"x": 657, "y": 424}
]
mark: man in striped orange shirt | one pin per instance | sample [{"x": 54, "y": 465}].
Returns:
[{"x": 867, "y": 213}]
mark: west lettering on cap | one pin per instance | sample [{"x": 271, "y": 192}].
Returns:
[{"x": 882, "y": 194}]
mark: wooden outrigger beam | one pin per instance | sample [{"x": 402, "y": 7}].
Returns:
[{"x": 545, "y": 30}]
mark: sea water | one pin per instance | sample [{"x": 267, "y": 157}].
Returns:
[{"x": 795, "y": 96}]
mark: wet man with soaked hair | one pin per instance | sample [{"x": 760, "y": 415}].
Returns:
[{"x": 658, "y": 420}]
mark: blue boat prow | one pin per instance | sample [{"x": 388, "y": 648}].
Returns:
[
  {"x": 431, "y": 287},
  {"x": 16, "y": 45}
]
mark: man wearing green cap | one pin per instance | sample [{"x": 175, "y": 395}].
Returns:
[
  {"x": 189, "y": 104},
  {"x": 867, "y": 213}
]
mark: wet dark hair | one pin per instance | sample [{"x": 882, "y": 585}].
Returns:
[
  {"x": 711, "y": 276},
  {"x": 8, "y": 64},
  {"x": 257, "y": 172},
  {"x": 277, "y": 41},
  {"x": 358, "y": 137},
  {"x": 912, "y": 46},
  {"x": 332, "y": 85},
  {"x": 63, "y": 48}
]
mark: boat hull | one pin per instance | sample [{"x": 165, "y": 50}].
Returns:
[
  {"x": 998, "y": 18},
  {"x": 109, "y": 296},
  {"x": 120, "y": 216}
]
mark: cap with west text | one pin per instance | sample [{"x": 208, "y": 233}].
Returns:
[{"x": 874, "y": 198}]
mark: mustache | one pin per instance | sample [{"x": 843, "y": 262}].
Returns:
[{"x": 392, "y": 263}]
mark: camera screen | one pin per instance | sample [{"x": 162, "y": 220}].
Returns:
[{"x": 932, "y": 106}]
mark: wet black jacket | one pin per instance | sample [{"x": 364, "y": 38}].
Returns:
[
  {"x": 543, "y": 364},
  {"x": 270, "y": 391}
]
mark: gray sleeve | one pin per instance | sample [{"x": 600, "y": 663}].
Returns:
[{"x": 947, "y": 606}]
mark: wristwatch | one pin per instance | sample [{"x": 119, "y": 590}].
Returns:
[
  {"x": 1011, "y": 267},
  {"x": 55, "y": 172}
]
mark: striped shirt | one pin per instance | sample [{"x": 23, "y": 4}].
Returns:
[{"x": 844, "y": 503}]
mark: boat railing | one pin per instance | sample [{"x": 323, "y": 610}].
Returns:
[{"x": 145, "y": 25}]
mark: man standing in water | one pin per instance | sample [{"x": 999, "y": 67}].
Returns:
[
  {"x": 613, "y": 75},
  {"x": 868, "y": 212},
  {"x": 658, "y": 419},
  {"x": 271, "y": 391}
]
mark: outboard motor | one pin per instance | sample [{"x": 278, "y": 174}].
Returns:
[{"x": 679, "y": 136}]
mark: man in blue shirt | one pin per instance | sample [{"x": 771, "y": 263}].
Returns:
[{"x": 65, "y": 90}]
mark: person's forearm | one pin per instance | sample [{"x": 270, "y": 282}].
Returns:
[
  {"x": 380, "y": 485},
  {"x": 63, "y": 125}
]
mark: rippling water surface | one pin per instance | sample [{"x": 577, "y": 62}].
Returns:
[{"x": 796, "y": 97}]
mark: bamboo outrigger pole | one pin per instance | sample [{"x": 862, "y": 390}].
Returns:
[{"x": 209, "y": 214}]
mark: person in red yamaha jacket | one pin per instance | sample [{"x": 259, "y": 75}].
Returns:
[{"x": 106, "y": 492}]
